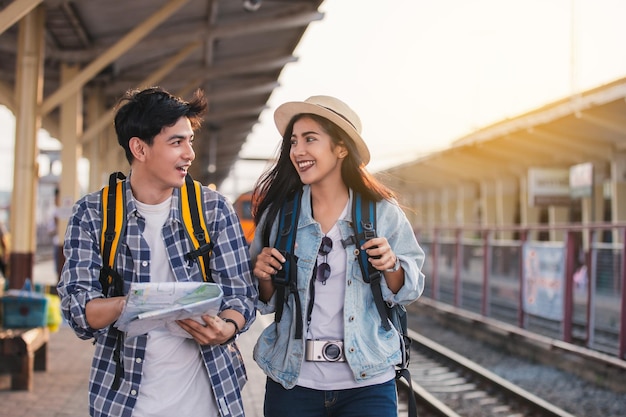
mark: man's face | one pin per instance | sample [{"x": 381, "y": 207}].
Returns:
[{"x": 165, "y": 163}]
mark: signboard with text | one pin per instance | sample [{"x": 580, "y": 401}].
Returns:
[
  {"x": 581, "y": 180},
  {"x": 548, "y": 187}
]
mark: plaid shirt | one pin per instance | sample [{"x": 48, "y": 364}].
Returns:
[{"x": 230, "y": 267}]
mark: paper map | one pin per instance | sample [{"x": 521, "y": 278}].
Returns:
[{"x": 152, "y": 305}]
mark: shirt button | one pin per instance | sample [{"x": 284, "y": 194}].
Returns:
[
  {"x": 349, "y": 282},
  {"x": 363, "y": 374},
  {"x": 138, "y": 360},
  {"x": 144, "y": 263},
  {"x": 351, "y": 318},
  {"x": 351, "y": 350},
  {"x": 133, "y": 392}
]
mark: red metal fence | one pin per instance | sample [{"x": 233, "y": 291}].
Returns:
[{"x": 563, "y": 281}]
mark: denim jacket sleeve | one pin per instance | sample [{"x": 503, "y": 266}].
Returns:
[
  {"x": 255, "y": 249},
  {"x": 392, "y": 223}
]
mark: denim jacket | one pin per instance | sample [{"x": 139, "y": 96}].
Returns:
[{"x": 370, "y": 350}]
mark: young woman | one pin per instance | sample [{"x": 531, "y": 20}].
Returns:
[{"x": 323, "y": 156}]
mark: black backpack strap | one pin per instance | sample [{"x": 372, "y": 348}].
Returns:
[
  {"x": 364, "y": 224},
  {"x": 113, "y": 227},
  {"x": 192, "y": 212},
  {"x": 286, "y": 280}
]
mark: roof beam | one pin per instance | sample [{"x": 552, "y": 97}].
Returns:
[
  {"x": 578, "y": 144},
  {"x": 152, "y": 79},
  {"x": 15, "y": 11},
  {"x": 233, "y": 113},
  {"x": 242, "y": 90},
  {"x": 604, "y": 123},
  {"x": 199, "y": 74},
  {"x": 264, "y": 25},
  {"x": 120, "y": 47}
]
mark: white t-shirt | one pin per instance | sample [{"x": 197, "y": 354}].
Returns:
[
  {"x": 175, "y": 381},
  {"x": 327, "y": 324}
]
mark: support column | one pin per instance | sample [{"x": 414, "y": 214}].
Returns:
[
  {"x": 618, "y": 187},
  {"x": 528, "y": 215},
  {"x": 70, "y": 128},
  {"x": 420, "y": 222},
  {"x": 557, "y": 216},
  {"x": 466, "y": 209},
  {"x": 507, "y": 203},
  {"x": 94, "y": 148},
  {"x": 488, "y": 203},
  {"x": 432, "y": 209},
  {"x": 447, "y": 206},
  {"x": 28, "y": 96}
]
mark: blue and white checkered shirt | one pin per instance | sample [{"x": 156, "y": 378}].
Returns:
[{"x": 230, "y": 267}]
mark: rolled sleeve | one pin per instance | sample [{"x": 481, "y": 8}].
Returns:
[
  {"x": 231, "y": 261},
  {"x": 393, "y": 224},
  {"x": 79, "y": 282}
]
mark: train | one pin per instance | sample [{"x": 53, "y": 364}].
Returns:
[{"x": 243, "y": 207}]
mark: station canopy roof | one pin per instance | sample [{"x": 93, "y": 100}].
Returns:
[
  {"x": 225, "y": 47},
  {"x": 587, "y": 127}
]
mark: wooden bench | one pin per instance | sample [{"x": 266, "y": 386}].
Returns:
[{"x": 23, "y": 351}]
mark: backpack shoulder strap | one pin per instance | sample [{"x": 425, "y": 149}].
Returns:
[
  {"x": 192, "y": 211},
  {"x": 364, "y": 224},
  {"x": 113, "y": 225},
  {"x": 287, "y": 278}
]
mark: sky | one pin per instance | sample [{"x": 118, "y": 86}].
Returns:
[{"x": 423, "y": 73}]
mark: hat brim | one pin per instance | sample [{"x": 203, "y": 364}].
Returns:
[{"x": 285, "y": 112}]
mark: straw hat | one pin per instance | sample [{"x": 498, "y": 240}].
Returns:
[{"x": 330, "y": 108}]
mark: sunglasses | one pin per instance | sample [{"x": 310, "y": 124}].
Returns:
[{"x": 323, "y": 269}]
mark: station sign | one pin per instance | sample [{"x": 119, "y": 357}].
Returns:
[
  {"x": 581, "y": 180},
  {"x": 548, "y": 187}
]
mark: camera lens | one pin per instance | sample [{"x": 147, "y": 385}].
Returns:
[{"x": 332, "y": 352}]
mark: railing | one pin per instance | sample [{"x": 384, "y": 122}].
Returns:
[{"x": 571, "y": 289}]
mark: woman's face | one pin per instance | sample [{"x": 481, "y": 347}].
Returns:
[{"x": 313, "y": 154}]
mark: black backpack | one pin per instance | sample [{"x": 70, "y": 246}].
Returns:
[{"x": 364, "y": 227}]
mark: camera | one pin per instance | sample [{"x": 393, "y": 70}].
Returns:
[{"x": 324, "y": 351}]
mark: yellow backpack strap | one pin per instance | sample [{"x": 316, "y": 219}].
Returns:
[
  {"x": 192, "y": 209},
  {"x": 113, "y": 221}
]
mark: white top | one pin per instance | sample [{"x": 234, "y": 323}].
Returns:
[
  {"x": 175, "y": 381},
  {"x": 327, "y": 323}
]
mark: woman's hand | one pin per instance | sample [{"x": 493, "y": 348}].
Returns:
[
  {"x": 267, "y": 263},
  {"x": 384, "y": 259},
  {"x": 380, "y": 254}
]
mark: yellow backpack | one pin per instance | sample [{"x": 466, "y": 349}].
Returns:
[{"x": 114, "y": 227}]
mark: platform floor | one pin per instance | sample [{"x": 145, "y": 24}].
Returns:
[{"x": 61, "y": 391}]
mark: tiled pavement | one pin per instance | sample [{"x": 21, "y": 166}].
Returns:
[{"x": 61, "y": 390}]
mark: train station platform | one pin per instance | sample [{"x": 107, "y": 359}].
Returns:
[{"x": 61, "y": 390}]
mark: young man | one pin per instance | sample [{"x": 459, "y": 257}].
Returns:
[{"x": 159, "y": 374}]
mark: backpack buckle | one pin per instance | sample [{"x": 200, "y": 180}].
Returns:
[{"x": 368, "y": 230}]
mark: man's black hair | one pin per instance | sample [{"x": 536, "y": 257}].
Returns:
[{"x": 144, "y": 114}]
